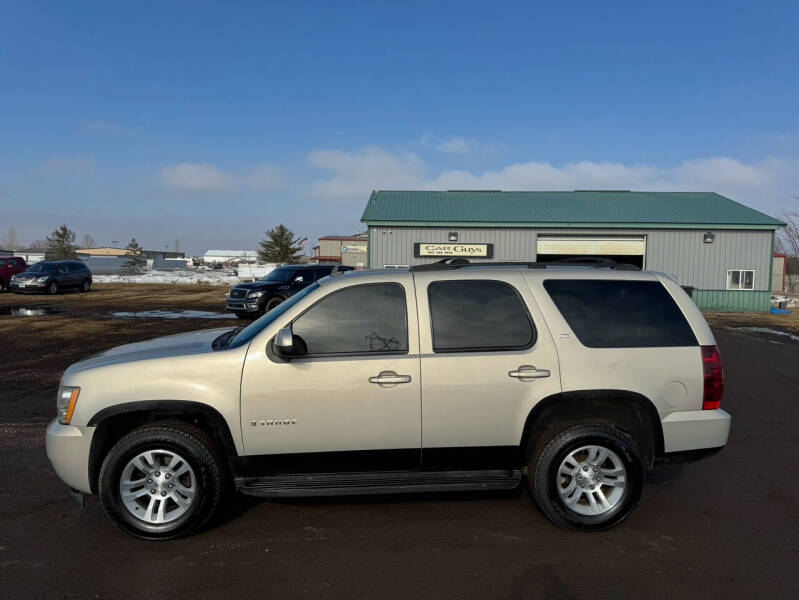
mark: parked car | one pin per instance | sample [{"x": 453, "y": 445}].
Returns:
[
  {"x": 52, "y": 276},
  {"x": 251, "y": 300},
  {"x": 10, "y": 266},
  {"x": 444, "y": 377}
]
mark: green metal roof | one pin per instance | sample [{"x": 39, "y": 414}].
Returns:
[{"x": 589, "y": 208}]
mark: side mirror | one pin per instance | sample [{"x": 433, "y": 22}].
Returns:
[{"x": 284, "y": 343}]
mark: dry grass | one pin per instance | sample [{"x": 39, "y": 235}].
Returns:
[
  {"x": 787, "y": 323},
  {"x": 106, "y": 297},
  {"x": 34, "y": 351}
]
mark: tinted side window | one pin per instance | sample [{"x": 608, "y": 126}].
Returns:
[
  {"x": 322, "y": 272},
  {"x": 359, "y": 319},
  {"x": 620, "y": 314},
  {"x": 478, "y": 315}
]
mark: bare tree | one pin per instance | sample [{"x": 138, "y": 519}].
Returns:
[
  {"x": 788, "y": 237},
  {"x": 87, "y": 241},
  {"x": 10, "y": 241},
  {"x": 788, "y": 242}
]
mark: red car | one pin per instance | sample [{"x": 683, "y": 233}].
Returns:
[{"x": 10, "y": 265}]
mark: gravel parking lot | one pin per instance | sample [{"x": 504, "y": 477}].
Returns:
[{"x": 727, "y": 527}]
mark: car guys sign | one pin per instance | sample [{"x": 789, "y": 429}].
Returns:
[{"x": 422, "y": 249}]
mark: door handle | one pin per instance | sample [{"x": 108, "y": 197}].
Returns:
[
  {"x": 526, "y": 372},
  {"x": 389, "y": 379}
]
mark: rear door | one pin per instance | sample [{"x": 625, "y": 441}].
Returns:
[{"x": 487, "y": 359}]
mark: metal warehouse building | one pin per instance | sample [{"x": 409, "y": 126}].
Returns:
[{"x": 721, "y": 248}]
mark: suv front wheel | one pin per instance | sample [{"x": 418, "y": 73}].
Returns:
[
  {"x": 161, "y": 481},
  {"x": 587, "y": 477}
]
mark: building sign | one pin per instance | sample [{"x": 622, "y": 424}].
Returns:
[
  {"x": 421, "y": 249},
  {"x": 350, "y": 249}
]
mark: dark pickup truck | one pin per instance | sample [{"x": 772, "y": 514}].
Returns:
[{"x": 251, "y": 300}]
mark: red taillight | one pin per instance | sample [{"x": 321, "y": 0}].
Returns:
[{"x": 714, "y": 378}]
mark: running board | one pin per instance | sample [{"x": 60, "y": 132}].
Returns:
[{"x": 387, "y": 482}]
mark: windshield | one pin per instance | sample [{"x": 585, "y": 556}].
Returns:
[
  {"x": 42, "y": 268},
  {"x": 281, "y": 274},
  {"x": 245, "y": 335}
]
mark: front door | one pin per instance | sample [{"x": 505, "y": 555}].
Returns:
[
  {"x": 352, "y": 401},
  {"x": 487, "y": 359}
]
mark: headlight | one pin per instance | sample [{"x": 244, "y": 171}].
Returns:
[
  {"x": 255, "y": 294},
  {"x": 42, "y": 279},
  {"x": 67, "y": 399}
]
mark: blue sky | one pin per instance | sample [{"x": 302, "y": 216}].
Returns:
[{"x": 210, "y": 122}]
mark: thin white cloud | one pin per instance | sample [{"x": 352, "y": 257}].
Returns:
[
  {"x": 203, "y": 177},
  {"x": 195, "y": 177},
  {"x": 367, "y": 169},
  {"x": 264, "y": 177},
  {"x": 77, "y": 166},
  {"x": 765, "y": 184},
  {"x": 105, "y": 127},
  {"x": 457, "y": 145}
]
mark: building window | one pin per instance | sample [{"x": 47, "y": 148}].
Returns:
[
  {"x": 396, "y": 266},
  {"x": 739, "y": 279}
]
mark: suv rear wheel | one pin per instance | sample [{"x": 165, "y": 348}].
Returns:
[
  {"x": 86, "y": 285},
  {"x": 161, "y": 481},
  {"x": 587, "y": 477}
]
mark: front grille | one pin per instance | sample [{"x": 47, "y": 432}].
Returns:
[{"x": 237, "y": 293}]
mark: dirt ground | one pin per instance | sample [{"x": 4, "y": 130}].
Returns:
[
  {"x": 727, "y": 527},
  {"x": 786, "y": 323}
]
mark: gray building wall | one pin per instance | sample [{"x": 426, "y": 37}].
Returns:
[{"x": 680, "y": 252}]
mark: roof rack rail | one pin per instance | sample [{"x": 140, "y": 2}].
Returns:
[{"x": 596, "y": 262}]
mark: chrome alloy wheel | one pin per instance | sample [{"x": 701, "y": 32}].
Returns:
[
  {"x": 157, "y": 486},
  {"x": 591, "y": 480}
]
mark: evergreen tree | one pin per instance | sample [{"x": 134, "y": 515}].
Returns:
[
  {"x": 279, "y": 246},
  {"x": 136, "y": 260},
  {"x": 61, "y": 244}
]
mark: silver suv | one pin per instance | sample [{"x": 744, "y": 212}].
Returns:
[{"x": 575, "y": 379}]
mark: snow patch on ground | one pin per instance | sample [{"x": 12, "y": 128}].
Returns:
[{"x": 220, "y": 278}]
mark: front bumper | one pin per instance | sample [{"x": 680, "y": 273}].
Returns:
[
  {"x": 695, "y": 430},
  {"x": 243, "y": 305},
  {"x": 68, "y": 449},
  {"x": 14, "y": 286}
]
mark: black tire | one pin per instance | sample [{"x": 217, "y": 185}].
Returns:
[
  {"x": 52, "y": 289},
  {"x": 3, "y": 287},
  {"x": 184, "y": 440},
  {"x": 272, "y": 303},
  {"x": 544, "y": 480},
  {"x": 86, "y": 285}
]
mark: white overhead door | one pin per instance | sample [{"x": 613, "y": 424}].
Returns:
[{"x": 591, "y": 246}]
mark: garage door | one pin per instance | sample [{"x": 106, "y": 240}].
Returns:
[{"x": 591, "y": 246}]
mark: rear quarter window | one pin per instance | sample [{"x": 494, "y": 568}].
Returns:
[{"x": 620, "y": 314}]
